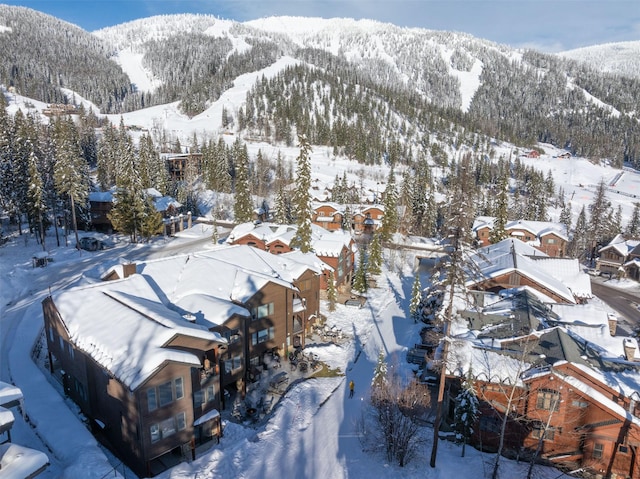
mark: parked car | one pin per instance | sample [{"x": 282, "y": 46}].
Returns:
[
  {"x": 88, "y": 243},
  {"x": 359, "y": 303}
]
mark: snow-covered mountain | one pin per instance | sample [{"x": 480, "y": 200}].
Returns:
[
  {"x": 348, "y": 80},
  {"x": 622, "y": 57}
]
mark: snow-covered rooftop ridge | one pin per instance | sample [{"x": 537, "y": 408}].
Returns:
[
  {"x": 129, "y": 336},
  {"x": 512, "y": 254},
  {"x": 323, "y": 242},
  {"x": 538, "y": 228}
]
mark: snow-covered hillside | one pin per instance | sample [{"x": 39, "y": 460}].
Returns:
[{"x": 622, "y": 57}]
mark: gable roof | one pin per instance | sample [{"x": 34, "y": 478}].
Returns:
[
  {"x": 537, "y": 228},
  {"x": 511, "y": 255},
  {"x": 129, "y": 336}
]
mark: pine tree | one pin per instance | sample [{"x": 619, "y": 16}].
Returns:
[
  {"x": 466, "y": 411},
  {"x": 579, "y": 241},
  {"x": 283, "y": 214},
  {"x": 416, "y": 298},
  {"x": 380, "y": 372},
  {"x": 633, "y": 228},
  {"x": 332, "y": 293},
  {"x": 375, "y": 254},
  {"x": 24, "y": 141},
  {"x": 599, "y": 229},
  {"x": 461, "y": 214},
  {"x": 360, "y": 278},
  {"x": 302, "y": 198},
  {"x": 35, "y": 198},
  {"x": 242, "y": 208},
  {"x": 566, "y": 216},
  {"x": 71, "y": 172},
  {"x": 390, "y": 219},
  {"x": 151, "y": 220},
  {"x": 129, "y": 210},
  {"x": 498, "y": 233}
]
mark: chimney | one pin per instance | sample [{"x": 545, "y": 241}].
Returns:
[
  {"x": 613, "y": 323},
  {"x": 629, "y": 349},
  {"x": 128, "y": 269}
]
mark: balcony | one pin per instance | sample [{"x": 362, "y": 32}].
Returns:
[{"x": 299, "y": 304}]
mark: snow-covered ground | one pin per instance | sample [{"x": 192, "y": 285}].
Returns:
[{"x": 313, "y": 432}]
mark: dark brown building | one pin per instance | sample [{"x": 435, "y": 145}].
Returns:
[{"x": 147, "y": 354}]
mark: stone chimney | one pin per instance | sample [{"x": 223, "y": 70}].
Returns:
[
  {"x": 629, "y": 349},
  {"x": 613, "y": 323}
]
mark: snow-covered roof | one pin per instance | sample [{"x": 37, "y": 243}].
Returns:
[
  {"x": 6, "y": 417},
  {"x": 569, "y": 271},
  {"x": 621, "y": 245},
  {"x": 18, "y": 461},
  {"x": 323, "y": 242},
  {"x": 9, "y": 393},
  {"x": 129, "y": 336},
  {"x": 537, "y": 228},
  {"x": 513, "y": 255}
]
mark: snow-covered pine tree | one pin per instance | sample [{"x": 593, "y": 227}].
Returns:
[
  {"x": 71, "y": 173},
  {"x": 416, "y": 298},
  {"x": 107, "y": 157},
  {"x": 390, "y": 219},
  {"x": 633, "y": 227},
  {"x": 374, "y": 261},
  {"x": 151, "y": 219},
  {"x": 380, "y": 371},
  {"x": 36, "y": 205},
  {"x": 498, "y": 233},
  {"x": 128, "y": 209},
  {"x": 332, "y": 293},
  {"x": 599, "y": 230},
  {"x": 566, "y": 216},
  {"x": 242, "y": 207},
  {"x": 302, "y": 198},
  {"x": 466, "y": 411},
  {"x": 579, "y": 241},
  {"x": 360, "y": 278}
]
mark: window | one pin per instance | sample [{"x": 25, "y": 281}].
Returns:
[
  {"x": 623, "y": 449},
  {"x": 71, "y": 352},
  {"x": 211, "y": 394},
  {"x": 152, "y": 400},
  {"x": 262, "y": 311},
  {"x": 538, "y": 431},
  {"x": 181, "y": 421},
  {"x": 168, "y": 427},
  {"x": 51, "y": 334},
  {"x": 232, "y": 336},
  {"x": 232, "y": 364},
  {"x": 551, "y": 241},
  {"x": 165, "y": 393},
  {"x": 263, "y": 335},
  {"x": 548, "y": 399},
  {"x": 61, "y": 341},
  {"x": 179, "y": 389},
  {"x": 597, "y": 450},
  {"x": 198, "y": 398},
  {"x": 580, "y": 404},
  {"x": 155, "y": 432}
]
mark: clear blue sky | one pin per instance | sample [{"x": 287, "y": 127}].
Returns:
[{"x": 548, "y": 25}]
